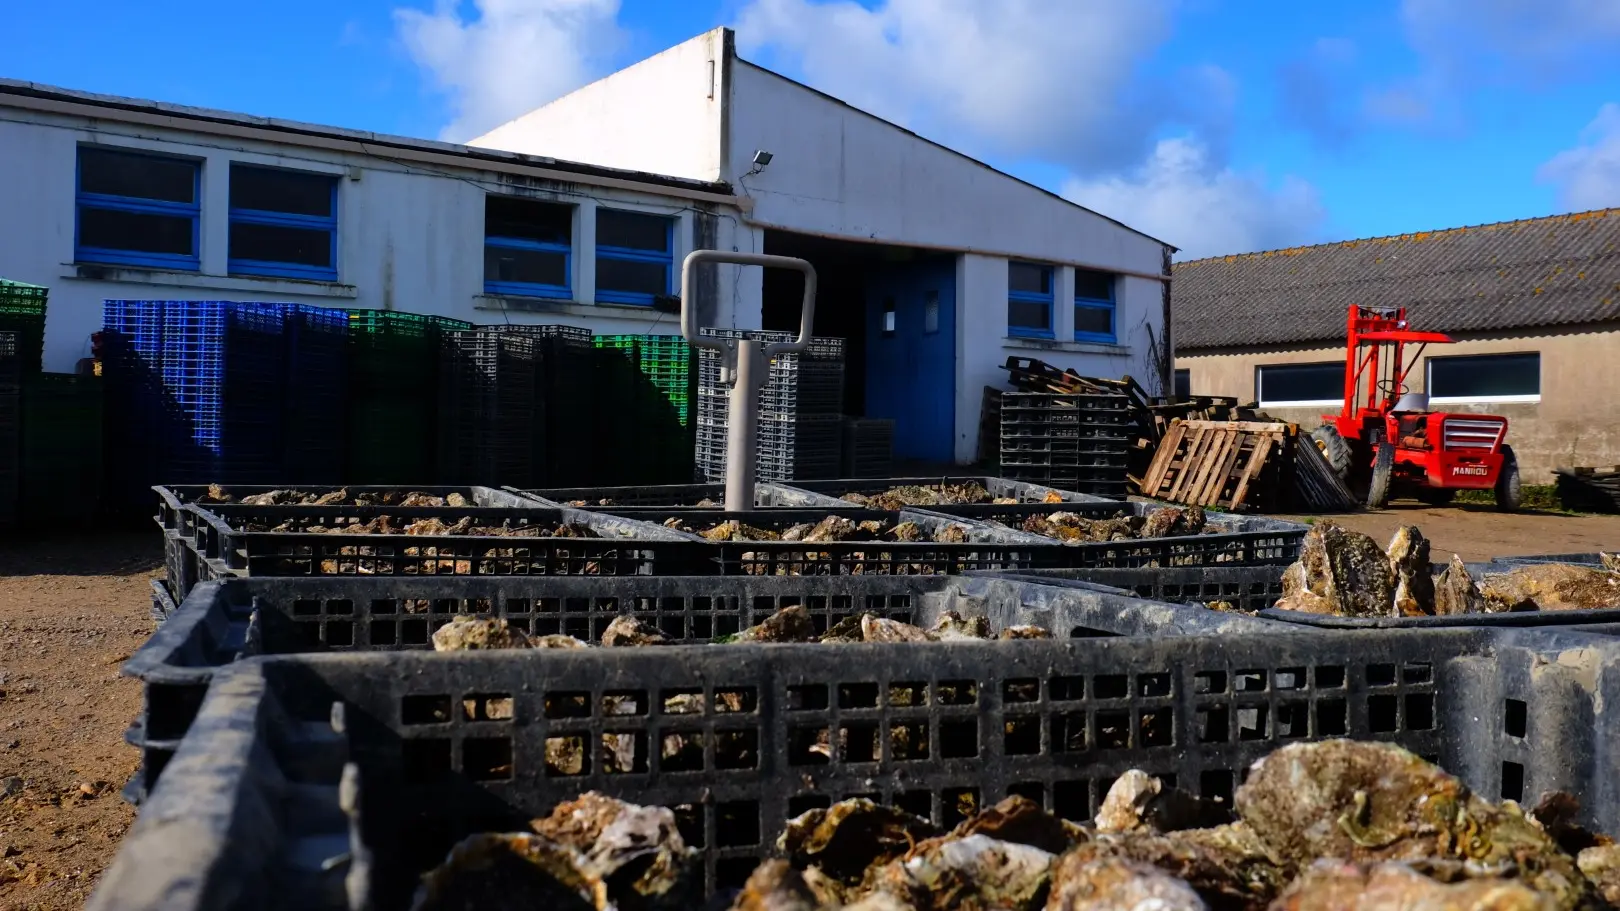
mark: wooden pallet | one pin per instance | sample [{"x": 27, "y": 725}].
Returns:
[
  {"x": 1317, "y": 486},
  {"x": 1233, "y": 464}
]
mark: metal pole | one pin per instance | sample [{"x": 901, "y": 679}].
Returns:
[{"x": 742, "y": 425}]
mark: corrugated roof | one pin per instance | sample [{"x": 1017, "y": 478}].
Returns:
[{"x": 1560, "y": 270}]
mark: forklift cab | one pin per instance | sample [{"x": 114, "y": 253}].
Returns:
[{"x": 1411, "y": 424}]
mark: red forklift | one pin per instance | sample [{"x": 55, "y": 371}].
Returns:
[{"x": 1387, "y": 443}]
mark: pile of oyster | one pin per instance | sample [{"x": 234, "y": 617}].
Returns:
[
  {"x": 832, "y": 528},
  {"x": 966, "y": 494},
  {"x": 388, "y": 525},
  {"x": 1317, "y": 827},
  {"x": 338, "y": 497},
  {"x": 1165, "y": 522},
  {"x": 1346, "y": 573},
  {"x": 469, "y": 632}
]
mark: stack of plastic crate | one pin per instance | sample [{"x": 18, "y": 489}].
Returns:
[
  {"x": 317, "y": 381},
  {"x": 1074, "y": 442},
  {"x": 10, "y": 422},
  {"x": 490, "y": 405},
  {"x": 61, "y": 450},
  {"x": 800, "y": 411},
  {"x": 22, "y": 311},
  {"x": 868, "y": 447},
  {"x": 568, "y": 415},
  {"x": 648, "y": 379},
  {"x": 393, "y": 395}
]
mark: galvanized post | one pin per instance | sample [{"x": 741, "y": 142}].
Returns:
[{"x": 752, "y": 359}]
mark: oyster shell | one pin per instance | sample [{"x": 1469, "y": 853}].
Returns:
[
  {"x": 1455, "y": 591},
  {"x": 776, "y": 886},
  {"x": 850, "y": 837},
  {"x": 626, "y": 630},
  {"x": 953, "y": 627},
  {"x": 975, "y": 873},
  {"x": 465, "y": 633},
  {"x": 1339, "y": 572},
  {"x": 1551, "y": 586},
  {"x": 1113, "y": 884},
  {"x": 1408, "y": 554},
  {"x": 1330, "y": 885},
  {"x": 790, "y": 624}
]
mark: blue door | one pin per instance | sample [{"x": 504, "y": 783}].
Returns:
[{"x": 911, "y": 357}]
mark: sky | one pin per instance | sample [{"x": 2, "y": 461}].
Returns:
[{"x": 1220, "y": 126}]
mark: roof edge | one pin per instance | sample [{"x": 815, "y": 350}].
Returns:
[{"x": 1611, "y": 212}]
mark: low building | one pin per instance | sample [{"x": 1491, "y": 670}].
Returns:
[
  {"x": 116, "y": 198},
  {"x": 1534, "y": 307},
  {"x": 934, "y": 266}
]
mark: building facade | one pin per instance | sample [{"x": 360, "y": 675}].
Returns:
[
  {"x": 934, "y": 266},
  {"x": 113, "y": 198},
  {"x": 1534, "y": 307}
]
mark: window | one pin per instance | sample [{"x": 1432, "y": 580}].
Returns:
[
  {"x": 1183, "y": 384},
  {"x": 1485, "y": 378},
  {"x": 136, "y": 209},
  {"x": 635, "y": 256},
  {"x": 1029, "y": 300},
  {"x": 283, "y": 223},
  {"x": 888, "y": 316},
  {"x": 1093, "y": 306},
  {"x": 1300, "y": 384},
  {"x": 528, "y": 247}
]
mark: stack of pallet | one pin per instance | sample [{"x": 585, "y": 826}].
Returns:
[
  {"x": 1241, "y": 465},
  {"x": 800, "y": 411},
  {"x": 1589, "y": 489}
]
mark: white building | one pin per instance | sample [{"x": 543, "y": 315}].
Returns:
[
  {"x": 113, "y": 198},
  {"x": 934, "y": 266}
]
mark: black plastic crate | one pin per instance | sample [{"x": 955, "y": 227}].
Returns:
[
  {"x": 10, "y": 364},
  {"x": 648, "y": 497},
  {"x": 228, "y": 620},
  {"x": 491, "y": 414},
  {"x": 626, "y": 547},
  {"x": 999, "y": 488},
  {"x": 171, "y": 498},
  {"x": 372, "y": 766},
  {"x": 1246, "y": 588}
]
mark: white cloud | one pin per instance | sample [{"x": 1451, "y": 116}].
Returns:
[
  {"x": 511, "y": 57},
  {"x": 1538, "y": 39},
  {"x": 1588, "y": 175},
  {"x": 1054, "y": 78},
  {"x": 1184, "y": 198}
]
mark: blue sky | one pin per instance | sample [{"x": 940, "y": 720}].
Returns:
[{"x": 1219, "y": 125}]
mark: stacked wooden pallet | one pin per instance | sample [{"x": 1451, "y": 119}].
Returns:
[
  {"x": 1241, "y": 465},
  {"x": 1589, "y": 489}
]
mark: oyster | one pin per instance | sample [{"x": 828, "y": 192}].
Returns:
[
  {"x": 1113, "y": 884},
  {"x": 1408, "y": 553},
  {"x": 556, "y": 641},
  {"x": 1126, "y": 802},
  {"x": 1331, "y": 885},
  {"x": 636, "y": 853},
  {"x": 877, "y": 629},
  {"x": 848, "y": 838},
  {"x": 1601, "y": 865},
  {"x": 495, "y": 872},
  {"x": 776, "y": 886},
  {"x": 1021, "y": 821},
  {"x": 1339, "y": 572},
  {"x": 975, "y": 873},
  {"x": 1025, "y": 632},
  {"x": 1227, "y": 866},
  {"x": 951, "y": 534},
  {"x": 1551, "y": 586},
  {"x": 907, "y": 531},
  {"x": 1373, "y": 802},
  {"x": 1456, "y": 593},
  {"x": 465, "y": 633},
  {"x": 832, "y": 528},
  {"x": 626, "y": 630},
  {"x": 953, "y": 627},
  {"x": 790, "y": 624}
]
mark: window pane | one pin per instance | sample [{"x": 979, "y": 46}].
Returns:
[
  {"x": 275, "y": 244},
  {"x": 1026, "y": 315},
  {"x": 526, "y": 219},
  {"x": 141, "y": 176},
  {"x": 1485, "y": 376},
  {"x": 1183, "y": 384},
  {"x": 1093, "y": 285},
  {"x": 134, "y": 231},
  {"x": 1094, "y": 320},
  {"x": 631, "y": 276},
  {"x": 530, "y": 267},
  {"x": 1029, "y": 277},
  {"x": 271, "y": 190},
  {"x": 632, "y": 230},
  {"x": 1301, "y": 383}
]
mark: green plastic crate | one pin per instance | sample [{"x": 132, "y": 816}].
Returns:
[
  {"x": 61, "y": 449},
  {"x": 22, "y": 310}
]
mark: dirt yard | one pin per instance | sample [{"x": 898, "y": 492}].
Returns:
[
  {"x": 1480, "y": 532},
  {"x": 71, "y": 611}
]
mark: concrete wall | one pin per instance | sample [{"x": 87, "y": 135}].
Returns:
[
  {"x": 1575, "y": 423},
  {"x": 662, "y": 115},
  {"x": 410, "y": 238}
]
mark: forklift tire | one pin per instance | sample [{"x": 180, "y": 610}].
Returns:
[
  {"x": 1507, "y": 482},
  {"x": 1383, "y": 467},
  {"x": 1334, "y": 448}
]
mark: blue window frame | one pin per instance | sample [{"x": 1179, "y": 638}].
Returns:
[
  {"x": 136, "y": 209},
  {"x": 635, "y": 257},
  {"x": 528, "y": 247},
  {"x": 1094, "y": 306},
  {"x": 1029, "y": 300},
  {"x": 283, "y": 223}
]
